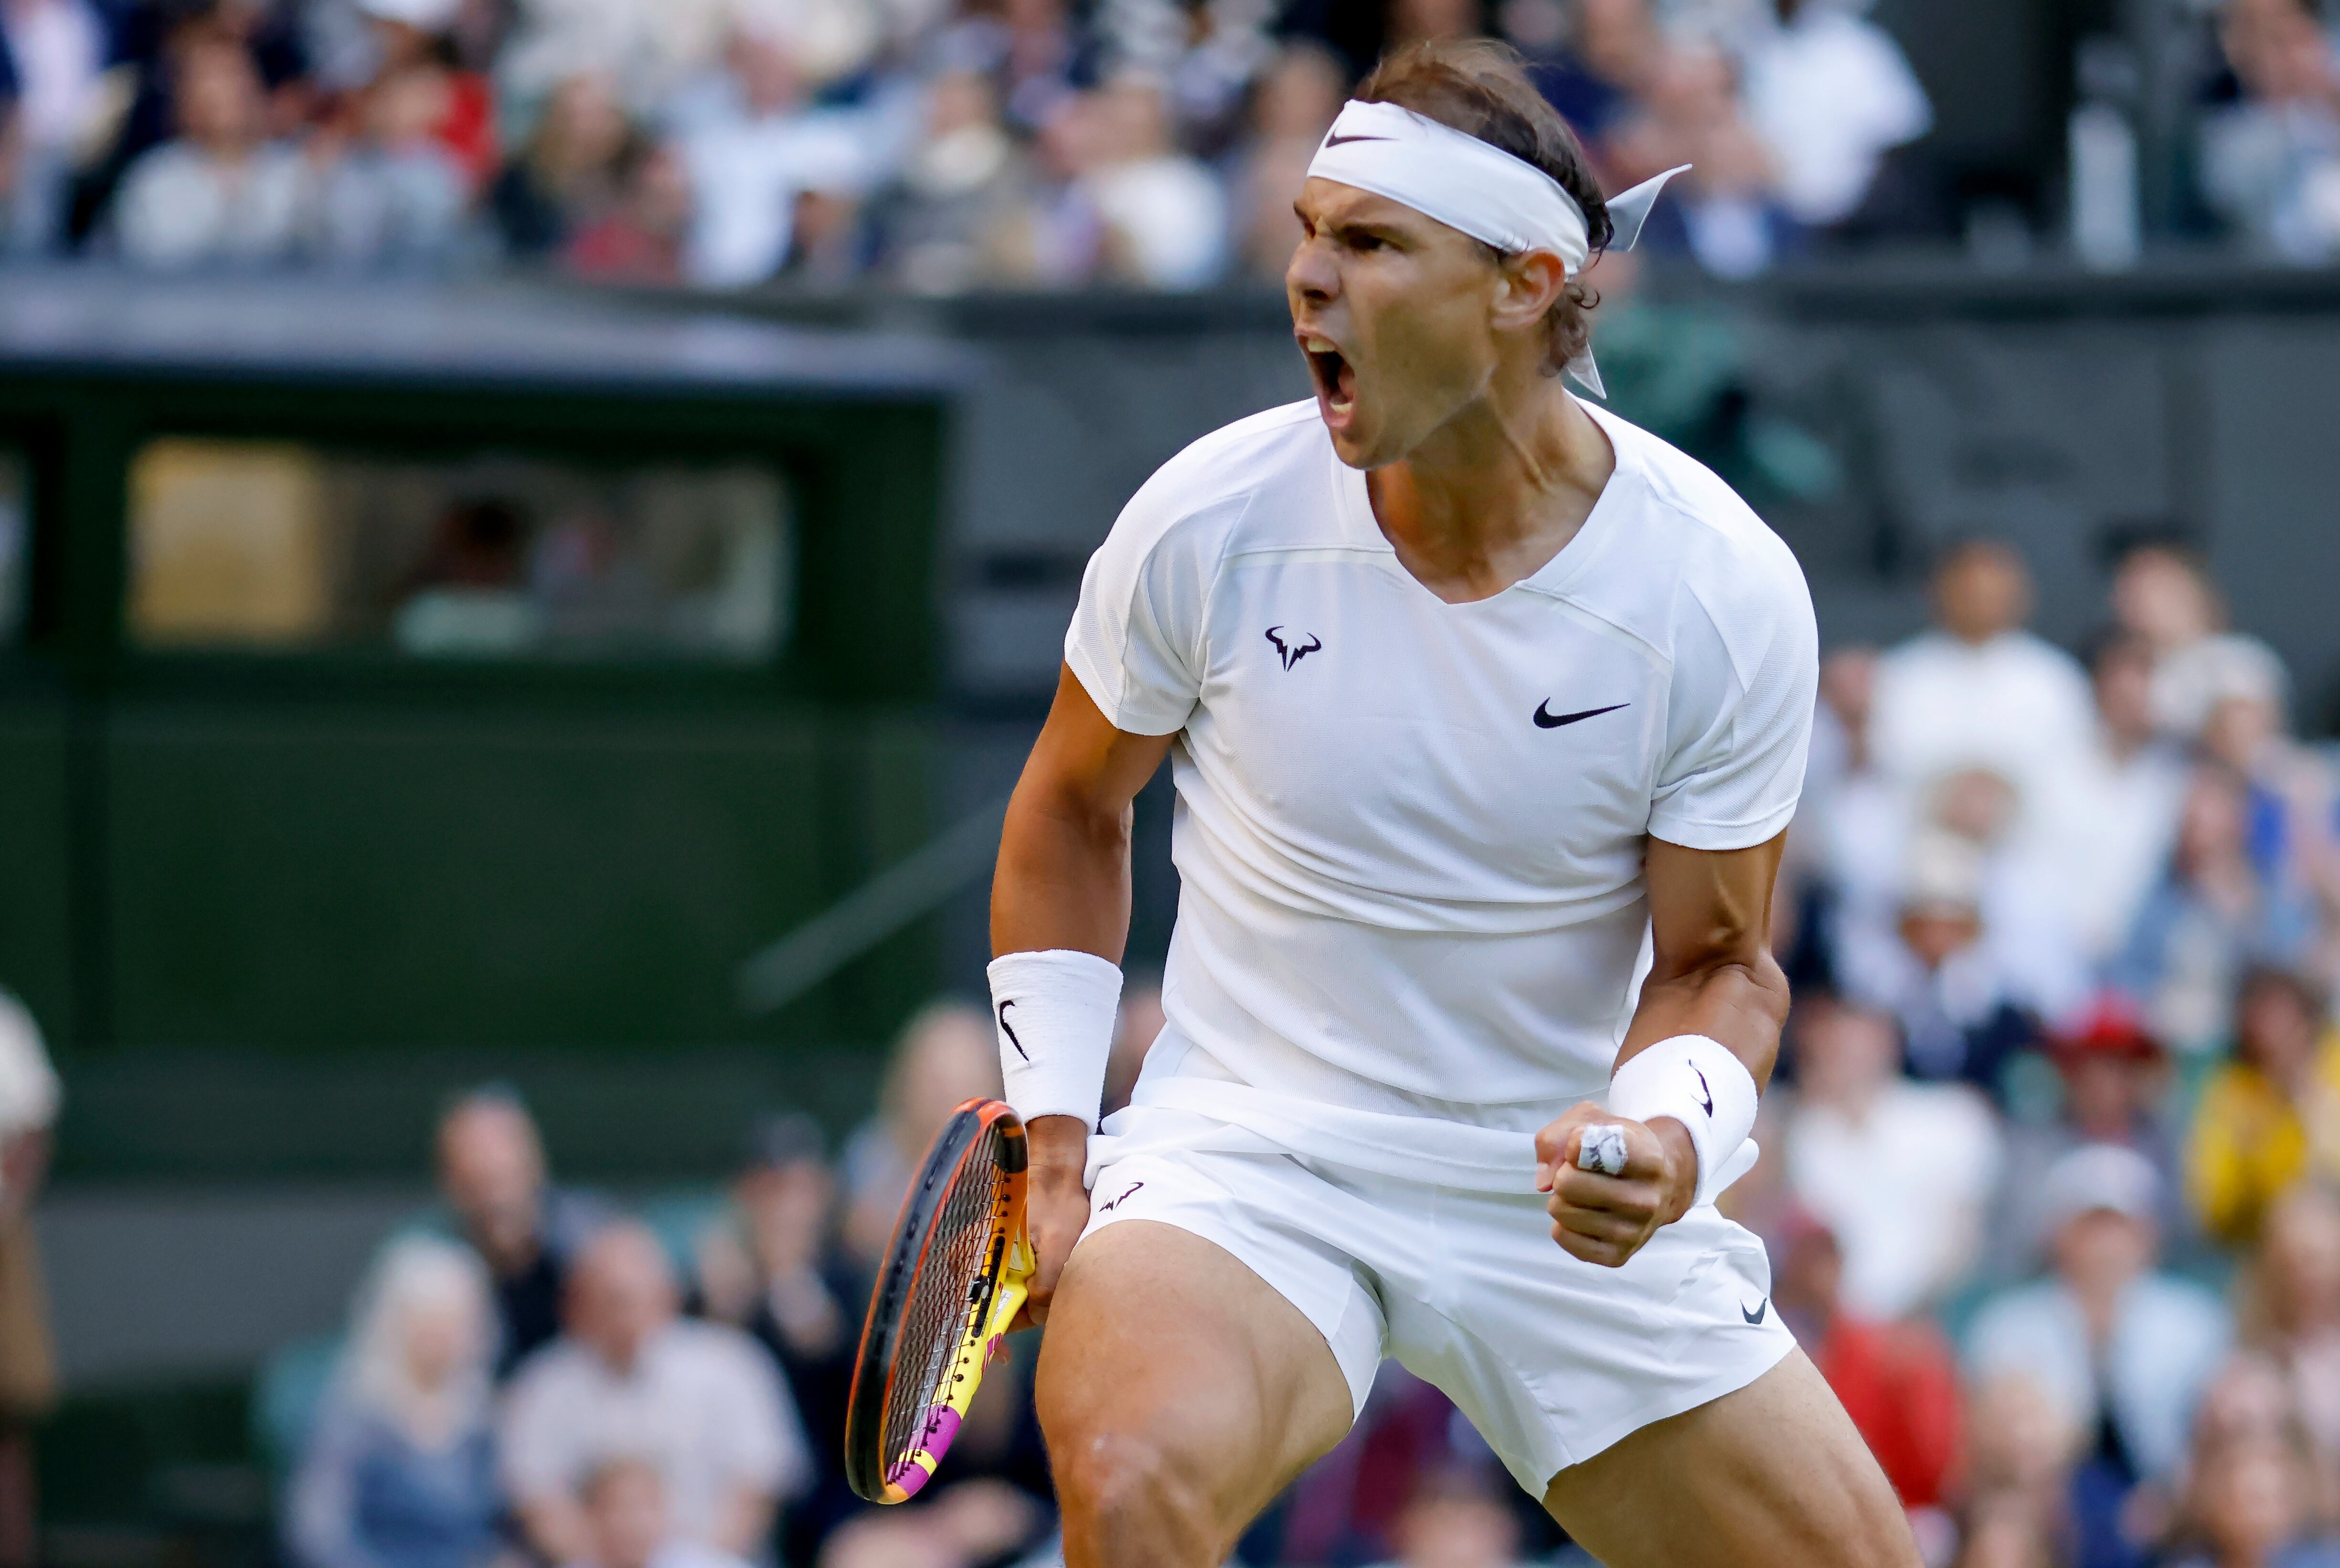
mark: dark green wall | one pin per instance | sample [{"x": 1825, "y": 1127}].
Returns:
[{"x": 246, "y": 859}]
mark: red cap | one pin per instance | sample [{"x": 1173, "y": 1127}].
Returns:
[{"x": 2110, "y": 1028}]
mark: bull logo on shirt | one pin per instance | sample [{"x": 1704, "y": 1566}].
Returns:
[{"x": 1291, "y": 653}]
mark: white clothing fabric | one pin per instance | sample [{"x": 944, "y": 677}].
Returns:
[
  {"x": 1830, "y": 95},
  {"x": 1903, "y": 1187},
  {"x": 1171, "y": 216},
  {"x": 2169, "y": 1336},
  {"x": 1411, "y": 833},
  {"x": 180, "y": 207},
  {"x": 686, "y": 1554},
  {"x": 1553, "y": 1359},
  {"x": 703, "y": 1402},
  {"x": 2118, "y": 840},
  {"x": 30, "y": 1091},
  {"x": 2188, "y": 682},
  {"x": 59, "y": 49},
  {"x": 747, "y": 176},
  {"x": 2017, "y": 705}
]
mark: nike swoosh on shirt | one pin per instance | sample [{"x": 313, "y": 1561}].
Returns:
[
  {"x": 1547, "y": 720},
  {"x": 1342, "y": 141},
  {"x": 1760, "y": 1308}
]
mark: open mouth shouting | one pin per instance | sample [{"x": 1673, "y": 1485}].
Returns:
[{"x": 1336, "y": 379}]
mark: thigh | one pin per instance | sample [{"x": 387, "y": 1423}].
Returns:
[
  {"x": 1168, "y": 1358},
  {"x": 1772, "y": 1476}
]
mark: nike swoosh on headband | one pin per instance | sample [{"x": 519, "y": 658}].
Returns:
[{"x": 1333, "y": 140}]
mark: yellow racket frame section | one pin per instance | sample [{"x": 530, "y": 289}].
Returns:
[{"x": 985, "y": 1335}]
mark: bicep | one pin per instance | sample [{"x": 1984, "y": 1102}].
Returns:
[
  {"x": 1711, "y": 908},
  {"x": 1082, "y": 762}
]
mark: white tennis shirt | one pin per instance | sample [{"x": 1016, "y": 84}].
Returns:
[{"x": 1411, "y": 833}]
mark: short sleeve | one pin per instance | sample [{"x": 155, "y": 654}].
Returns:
[
  {"x": 1136, "y": 641},
  {"x": 1746, "y": 678}
]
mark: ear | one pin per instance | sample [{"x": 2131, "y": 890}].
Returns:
[{"x": 1528, "y": 284}]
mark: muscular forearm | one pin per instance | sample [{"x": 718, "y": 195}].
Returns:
[
  {"x": 1741, "y": 1007},
  {"x": 1063, "y": 879}
]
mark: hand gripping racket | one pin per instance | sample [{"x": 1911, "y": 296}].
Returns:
[{"x": 955, "y": 1277}]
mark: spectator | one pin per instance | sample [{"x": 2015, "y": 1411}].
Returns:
[
  {"x": 29, "y": 1095},
  {"x": 1726, "y": 212},
  {"x": 2271, "y": 162},
  {"x": 398, "y": 1471},
  {"x": 1290, "y": 112},
  {"x": 1898, "y": 1381},
  {"x": 2162, "y": 593},
  {"x": 396, "y": 198},
  {"x": 452, "y": 109},
  {"x": 1897, "y": 1171},
  {"x": 1455, "y": 1519},
  {"x": 627, "y": 1526},
  {"x": 222, "y": 192},
  {"x": 779, "y": 1272},
  {"x": 491, "y": 1175},
  {"x": 2270, "y": 1116},
  {"x": 1163, "y": 217},
  {"x": 58, "y": 51},
  {"x": 2252, "y": 1504},
  {"x": 2018, "y": 1477},
  {"x": 2128, "y": 794},
  {"x": 947, "y": 1054},
  {"x": 1979, "y": 691},
  {"x": 968, "y": 1523},
  {"x": 1968, "y": 995},
  {"x": 700, "y": 1400},
  {"x": 753, "y": 142},
  {"x": 2292, "y": 1310},
  {"x": 2113, "y": 1072},
  {"x": 2290, "y": 792},
  {"x": 1587, "y": 59},
  {"x": 1830, "y": 94},
  {"x": 639, "y": 241},
  {"x": 2211, "y": 916},
  {"x": 945, "y": 222},
  {"x": 567, "y": 176},
  {"x": 2121, "y": 1351}
]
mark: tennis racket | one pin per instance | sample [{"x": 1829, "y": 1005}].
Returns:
[{"x": 955, "y": 1277}]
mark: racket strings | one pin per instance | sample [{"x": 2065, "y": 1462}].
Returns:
[{"x": 943, "y": 1297}]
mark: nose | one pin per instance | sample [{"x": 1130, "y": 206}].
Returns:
[{"x": 1312, "y": 277}]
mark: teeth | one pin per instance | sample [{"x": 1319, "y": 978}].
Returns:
[{"x": 1316, "y": 345}]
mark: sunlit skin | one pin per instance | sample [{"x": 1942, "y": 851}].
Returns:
[{"x": 1428, "y": 353}]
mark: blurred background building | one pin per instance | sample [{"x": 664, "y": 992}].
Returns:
[{"x": 535, "y": 534}]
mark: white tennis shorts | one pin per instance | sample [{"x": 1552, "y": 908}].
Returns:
[{"x": 1551, "y": 1358}]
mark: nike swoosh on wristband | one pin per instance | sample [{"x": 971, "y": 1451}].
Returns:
[
  {"x": 1010, "y": 1029},
  {"x": 1704, "y": 1089},
  {"x": 1546, "y": 721}
]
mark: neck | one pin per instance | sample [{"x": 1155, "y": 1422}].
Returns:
[{"x": 1497, "y": 490}]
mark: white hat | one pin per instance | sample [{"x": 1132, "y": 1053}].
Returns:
[
  {"x": 423, "y": 15},
  {"x": 2101, "y": 1176}
]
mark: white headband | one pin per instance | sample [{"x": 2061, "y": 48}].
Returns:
[{"x": 1476, "y": 188}]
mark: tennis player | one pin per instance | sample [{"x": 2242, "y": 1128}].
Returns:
[{"x": 1487, "y": 712}]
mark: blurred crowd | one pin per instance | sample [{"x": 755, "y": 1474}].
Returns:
[
  {"x": 936, "y": 146},
  {"x": 2051, "y": 1187}
]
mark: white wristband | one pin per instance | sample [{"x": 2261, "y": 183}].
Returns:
[
  {"x": 1055, "y": 1014},
  {"x": 1699, "y": 1084}
]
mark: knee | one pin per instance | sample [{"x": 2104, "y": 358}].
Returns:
[{"x": 1119, "y": 1485}]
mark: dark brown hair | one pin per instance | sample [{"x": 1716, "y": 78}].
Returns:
[{"x": 1480, "y": 87}]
